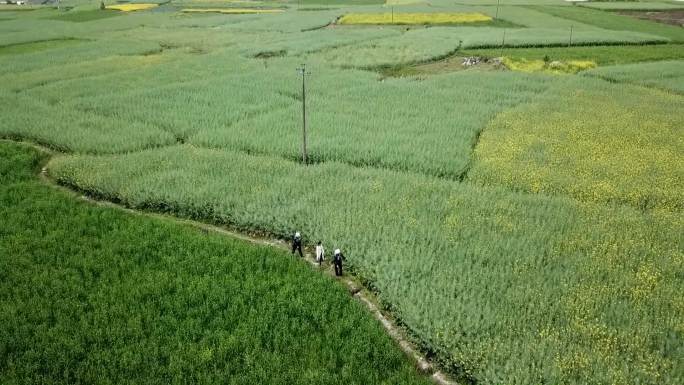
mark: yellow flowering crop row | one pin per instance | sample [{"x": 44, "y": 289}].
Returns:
[
  {"x": 131, "y": 7},
  {"x": 238, "y": 11},
  {"x": 414, "y": 18},
  {"x": 557, "y": 67}
]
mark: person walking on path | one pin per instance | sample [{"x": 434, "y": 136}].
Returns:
[
  {"x": 320, "y": 253},
  {"x": 297, "y": 244},
  {"x": 337, "y": 261}
]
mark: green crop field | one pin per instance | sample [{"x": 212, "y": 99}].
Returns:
[
  {"x": 521, "y": 228},
  {"x": 91, "y": 295}
]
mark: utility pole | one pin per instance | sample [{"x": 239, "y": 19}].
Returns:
[
  {"x": 302, "y": 71},
  {"x": 570, "y": 44},
  {"x": 497, "y": 9},
  {"x": 503, "y": 42},
  {"x": 393, "y": 14}
]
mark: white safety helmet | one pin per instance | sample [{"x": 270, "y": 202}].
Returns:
[
  {"x": 337, "y": 251},
  {"x": 297, "y": 235}
]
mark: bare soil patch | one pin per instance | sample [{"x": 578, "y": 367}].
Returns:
[
  {"x": 449, "y": 64},
  {"x": 672, "y": 17}
]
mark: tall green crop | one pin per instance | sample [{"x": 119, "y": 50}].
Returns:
[
  {"x": 479, "y": 274},
  {"x": 92, "y": 295}
]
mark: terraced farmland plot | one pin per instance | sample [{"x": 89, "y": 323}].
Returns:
[
  {"x": 360, "y": 121},
  {"x": 74, "y": 130},
  {"x": 75, "y": 53},
  {"x": 422, "y": 45},
  {"x": 432, "y": 18},
  {"x": 298, "y": 44},
  {"x": 357, "y": 119}
]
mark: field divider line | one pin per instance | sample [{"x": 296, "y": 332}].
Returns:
[
  {"x": 609, "y": 79},
  {"x": 355, "y": 288}
]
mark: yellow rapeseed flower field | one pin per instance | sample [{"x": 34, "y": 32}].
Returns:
[
  {"x": 131, "y": 7},
  {"x": 232, "y": 10},
  {"x": 414, "y": 18},
  {"x": 594, "y": 141},
  {"x": 556, "y": 67}
]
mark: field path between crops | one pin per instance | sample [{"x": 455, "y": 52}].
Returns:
[{"x": 355, "y": 288}]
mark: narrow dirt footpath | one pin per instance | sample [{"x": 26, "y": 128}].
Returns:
[{"x": 356, "y": 289}]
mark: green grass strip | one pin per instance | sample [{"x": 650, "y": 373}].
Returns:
[
  {"x": 35, "y": 46},
  {"x": 84, "y": 16}
]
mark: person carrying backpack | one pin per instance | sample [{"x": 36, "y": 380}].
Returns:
[
  {"x": 337, "y": 261},
  {"x": 297, "y": 244},
  {"x": 320, "y": 253}
]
